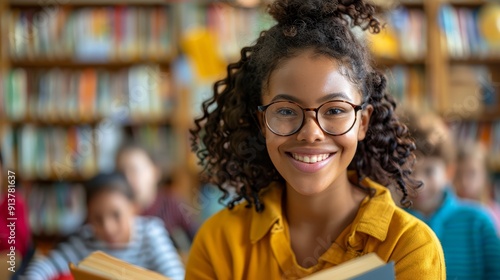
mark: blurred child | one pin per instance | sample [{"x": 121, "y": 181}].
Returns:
[
  {"x": 471, "y": 180},
  {"x": 143, "y": 174},
  {"x": 113, "y": 227},
  {"x": 14, "y": 227},
  {"x": 467, "y": 234}
]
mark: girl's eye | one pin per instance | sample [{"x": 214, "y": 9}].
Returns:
[
  {"x": 285, "y": 112},
  {"x": 334, "y": 111}
]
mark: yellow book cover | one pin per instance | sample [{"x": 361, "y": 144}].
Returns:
[{"x": 101, "y": 266}]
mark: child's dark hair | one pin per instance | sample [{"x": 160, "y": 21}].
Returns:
[
  {"x": 233, "y": 148},
  {"x": 108, "y": 182},
  {"x": 431, "y": 135}
]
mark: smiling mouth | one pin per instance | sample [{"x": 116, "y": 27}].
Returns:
[{"x": 310, "y": 158}]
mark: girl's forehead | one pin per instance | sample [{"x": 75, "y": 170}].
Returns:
[{"x": 311, "y": 75}]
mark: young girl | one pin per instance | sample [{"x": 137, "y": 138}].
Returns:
[
  {"x": 113, "y": 228},
  {"x": 303, "y": 128},
  {"x": 141, "y": 169}
]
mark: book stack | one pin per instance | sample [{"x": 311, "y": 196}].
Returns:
[
  {"x": 462, "y": 34},
  {"x": 55, "y": 153},
  {"x": 55, "y": 208},
  {"x": 403, "y": 38}
]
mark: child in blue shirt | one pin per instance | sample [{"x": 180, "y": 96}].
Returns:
[{"x": 466, "y": 231}]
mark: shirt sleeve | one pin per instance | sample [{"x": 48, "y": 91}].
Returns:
[
  {"x": 199, "y": 266},
  {"x": 57, "y": 262},
  {"x": 164, "y": 257},
  {"x": 419, "y": 255}
]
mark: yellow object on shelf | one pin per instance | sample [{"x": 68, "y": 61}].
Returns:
[
  {"x": 489, "y": 22},
  {"x": 200, "y": 47},
  {"x": 385, "y": 44}
]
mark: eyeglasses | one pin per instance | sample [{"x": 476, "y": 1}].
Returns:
[{"x": 285, "y": 118}]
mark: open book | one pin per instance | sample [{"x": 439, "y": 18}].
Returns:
[
  {"x": 369, "y": 266},
  {"x": 100, "y": 266}
]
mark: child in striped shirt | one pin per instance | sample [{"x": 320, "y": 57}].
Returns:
[
  {"x": 467, "y": 233},
  {"x": 113, "y": 227}
]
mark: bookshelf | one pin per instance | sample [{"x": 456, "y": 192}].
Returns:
[
  {"x": 75, "y": 98},
  {"x": 459, "y": 73},
  {"x": 46, "y": 118}
]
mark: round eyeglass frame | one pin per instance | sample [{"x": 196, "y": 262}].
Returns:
[{"x": 263, "y": 108}]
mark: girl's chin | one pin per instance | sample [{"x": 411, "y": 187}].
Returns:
[{"x": 308, "y": 191}]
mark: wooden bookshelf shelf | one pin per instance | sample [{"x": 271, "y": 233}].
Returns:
[
  {"x": 477, "y": 60},
  {"x": 467, "y": 3},
  {"x": 54, "y": 122},
  {"x": 380, "y": 61},
  {"x": 49, "y": 63},
  {"x": 148, "y": 121},
  {"x": 51, "y": 178}
]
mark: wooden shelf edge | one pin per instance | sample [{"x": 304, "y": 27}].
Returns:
[
  {"x": 477, "y": 60},
  {"x": 382, "y": 61},
  {"x": 467, "y": 3},
  {"x": 166, "y": 120},
  {"x": 82, "y": 64}
]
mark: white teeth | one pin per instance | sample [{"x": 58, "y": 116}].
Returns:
[{"x": 310, "y": 158}]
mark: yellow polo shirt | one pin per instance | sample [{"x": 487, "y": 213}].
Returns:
[{"x": 244, "y": 244}]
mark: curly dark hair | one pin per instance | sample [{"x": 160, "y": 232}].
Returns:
[{"x": 228, "y": 138}]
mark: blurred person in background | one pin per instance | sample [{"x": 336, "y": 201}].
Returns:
[
  {"x": 144, "y": 175},
  {"x": 472, "y": 181},
  {"x": 466, "y": 231},
  {"x": 17, "y": 237},
  {"x": 114, "y": 228}
]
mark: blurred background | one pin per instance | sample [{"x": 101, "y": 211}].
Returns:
[{"x": 78, "y": 78}]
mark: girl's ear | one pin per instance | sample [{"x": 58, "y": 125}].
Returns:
[{"x": 364, "y": 121}]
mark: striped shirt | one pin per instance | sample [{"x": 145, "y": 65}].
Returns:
[
  {"x": 150, "y": 247},
  {"x": 470, "y": 244}
]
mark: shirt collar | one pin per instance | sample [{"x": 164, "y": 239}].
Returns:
[{"x": 373, "y": 218}]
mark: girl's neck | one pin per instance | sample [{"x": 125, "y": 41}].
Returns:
[{"x": 328, "y": 212}]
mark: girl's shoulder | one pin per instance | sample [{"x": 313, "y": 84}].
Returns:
[{"x": 243, "y": 222}]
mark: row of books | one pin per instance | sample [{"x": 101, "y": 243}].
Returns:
[
  {"x": 50, "y": 153},
  {"x": 78, "y": 152},
  {"x": 91, "y": 34},
  {"x": 462, "y": 33},
  {"x": 404, "y": 36},
  {"x": 471, "y": 91},
  {"x": 55, "y": 208},
  {"x": 487, "y": 133},
  {"x": 140, "y": 92}
]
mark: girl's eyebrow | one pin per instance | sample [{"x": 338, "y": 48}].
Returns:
[{"x": 328, "y": 97}]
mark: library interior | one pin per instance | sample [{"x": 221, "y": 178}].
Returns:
[{"x": 92, "y": 87}]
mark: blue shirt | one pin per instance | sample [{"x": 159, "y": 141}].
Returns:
[{"x": 467, "y": 234}]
